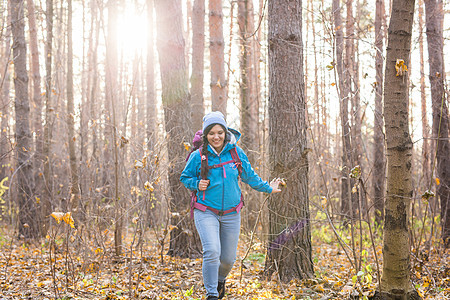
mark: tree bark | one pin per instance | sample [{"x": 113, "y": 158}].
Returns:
[
  {"x": 289, "y": 250},
  {"x": 216, "y": 49},
  {"x": 198, "y": 54},
  {"x": 177, "y": 111},
  {"x": 37, "y": 97},
  {"x": 249, "y": 102},
  {"x": 150, "y": 81},
  {"x": 75, "y": 188},
  {"x": 379, "y": 166},
  {"x": 426, "y": 173},
  {"x": 5, "y": 144},
  {"x": 111, "y": 100},
  {"x": 434, "y": 16},
  {"x": 28, "y": 223},
  {"x": 343, "y": 92},
  {"x": 49, "y": 116},
  {"x": 395, "y": 280}
]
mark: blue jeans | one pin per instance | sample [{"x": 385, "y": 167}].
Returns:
[{"x": 219, "y": 236}]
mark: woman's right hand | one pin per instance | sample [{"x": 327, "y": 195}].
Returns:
[{"x": 203, "y": 184}]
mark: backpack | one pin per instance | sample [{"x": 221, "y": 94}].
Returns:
[{"x": 197, "y": 142}]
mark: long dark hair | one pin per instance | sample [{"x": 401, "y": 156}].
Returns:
[{"x": 205, "y": 152}]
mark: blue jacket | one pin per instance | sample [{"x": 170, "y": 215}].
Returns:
[{"x": 222, "y": 193}]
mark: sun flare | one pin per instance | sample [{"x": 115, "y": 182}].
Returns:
[{"x": 132, "y": 31}]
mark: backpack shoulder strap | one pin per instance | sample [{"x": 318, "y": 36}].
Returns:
[
  {"x": 237, "y": 160},
  {"x": 204, "y": 159}
]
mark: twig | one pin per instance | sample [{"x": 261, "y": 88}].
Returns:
[
  {"x": 251, "y": 238},
  {"x": 372, "y": 239},
  {"x": 279, "y": 278}
]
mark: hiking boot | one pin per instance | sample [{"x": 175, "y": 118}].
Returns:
[
  {"x": 221, "y": 289},
  {"x": 212, "y": 298}
]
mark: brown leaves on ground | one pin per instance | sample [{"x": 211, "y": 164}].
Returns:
[{"x": 66, "y": 267}]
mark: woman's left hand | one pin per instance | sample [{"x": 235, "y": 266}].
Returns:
[{"x": 275, "y": 185}]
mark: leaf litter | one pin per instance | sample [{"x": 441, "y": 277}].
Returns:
[{"x": 65, "y": 267}]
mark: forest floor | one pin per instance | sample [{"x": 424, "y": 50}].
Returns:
[{"x": 76, "y": 271}]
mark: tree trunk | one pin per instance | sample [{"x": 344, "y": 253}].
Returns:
[
  {"x": 5, "y": 144},
  {"x": 249, "y": 103},
  {"x": 395, "y": 281},
  {"x": 289, "y": 250},
  {"x": 75, "y": 189},
  {"x": 434, "y": 15},
  {"x": 423, "y": 97},
  {"x": 92, "y": 90},
  {"x": 176, "y": 104},
  {"x": 379, "y": 168},
  {"x": 37, "y": 97},
  {"x": 343, "y": 100},
  {"x": 49, "y": 116},
  {"x": 249, "y": 108},
  {"x": 198, "y": 54},
  {"x": 111, "y": 101},
  {"x": 216, "y": 49},
  {"x": 28, "y": 223},
  {"x": 150, "y": 80}
]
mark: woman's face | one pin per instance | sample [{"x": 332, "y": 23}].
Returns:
[{"x": 216, "y": 137}]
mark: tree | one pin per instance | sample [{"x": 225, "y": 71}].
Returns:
[
  {"x": 37, "y": 97},
  {"x": 150, "y": 80},
  {"x": 435, "y": 38},
  {"x": 5, "y": 147},
  {"x": 249, "y": 106},
  {"x": 75, "y": 189},
  {"x": 289, "y": 250},
  {"x": 395, "y": 280},
  {"x": 198, "y": 54},
  {"x": 216, "y": 48},
  {"x": 175, "y": 98},
  {"x": 423, "y": 100},
  {"x": 249, "y": 102},
  {"x": 111, "y": 102},
  {"x": 28, "y": 225},
  {"x": 343, "y": 92},
  {"x": 49, "y": 114},
  {"x": 378, "y": 135}
]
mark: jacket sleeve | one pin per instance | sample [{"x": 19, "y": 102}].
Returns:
[
  {"x": 190, "y": 176},
  {"x": 249, "y": 175}
]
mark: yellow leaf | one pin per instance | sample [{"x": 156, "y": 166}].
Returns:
[
  {"x": 68, "y": 219},
  {"x": 319, "y": 288},
  {"x": 58, "y": 216},
  {"x": 438, "y": 181},
  {"x": 38, "y": 200},
  {"x": 2, "y": 184},
  {"x": 148, "y": 186},
  {"x": 400, "y": 67}
]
